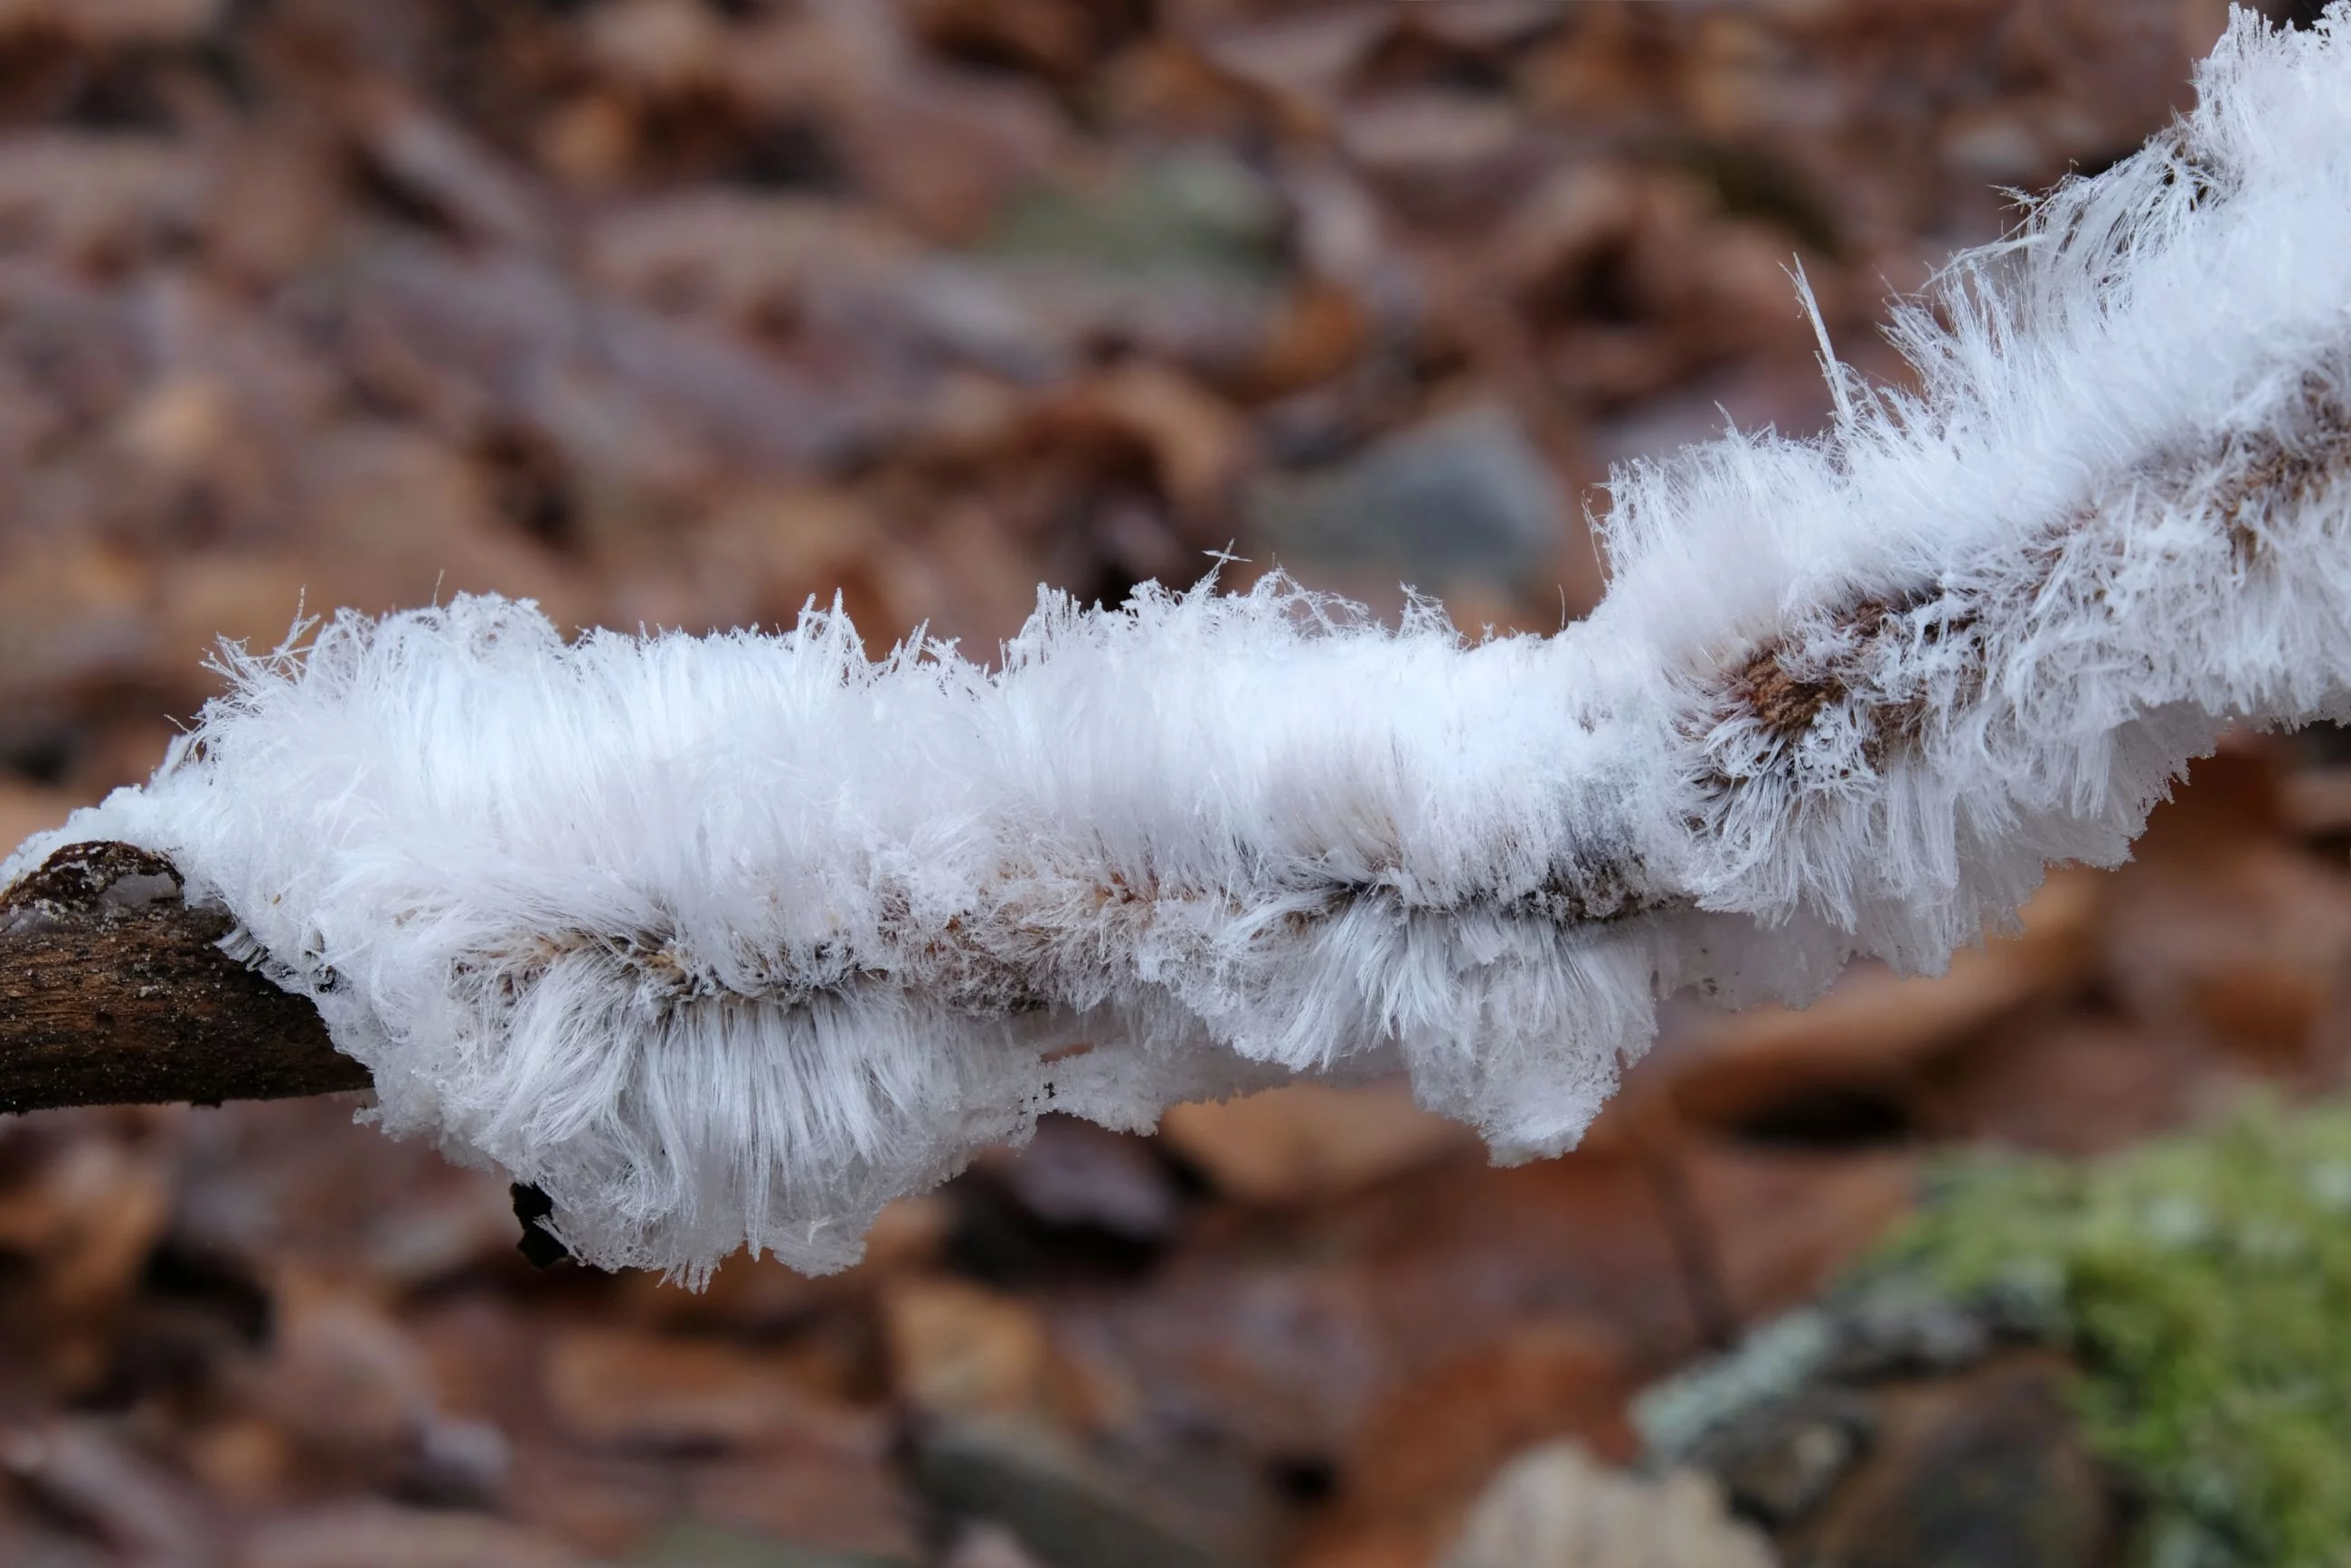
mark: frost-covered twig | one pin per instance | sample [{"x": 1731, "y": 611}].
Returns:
[{"x": 729, "y": 938}]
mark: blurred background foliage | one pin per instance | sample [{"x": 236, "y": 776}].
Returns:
[{"x": 680, "y": 312}]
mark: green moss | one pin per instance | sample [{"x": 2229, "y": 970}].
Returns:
[{"x": 2204, "y": 1285}]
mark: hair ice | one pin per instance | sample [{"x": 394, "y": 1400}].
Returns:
[{"x": 736, "y": 938}]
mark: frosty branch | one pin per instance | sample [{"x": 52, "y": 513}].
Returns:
[
  {"x": 736, "y": 938},
  {"x": 113, "y": 989}
]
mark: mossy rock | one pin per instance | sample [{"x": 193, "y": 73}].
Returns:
[{"x": 2202, "y": 1285}]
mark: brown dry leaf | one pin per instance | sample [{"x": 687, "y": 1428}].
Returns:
[
  {"x": 277, "y": 207},
  {"x": 1301, "y": 60},
  {"x": 1485, "y": 27},
  {"x": 100, "y": 200},
  {"x": 960, "y": 1349},
  {"x": 1306, "y": 1142},
  {"x": 619, "y": 390},
  {"x": 126, "y": 750},
  {"x": 88, "y": 1469},
  {"x": 1421, "y": 1455},
  {"x": 342, "y": 1380},
  {"x": 1197, "y": 445},
  {"x": 623, "y": 1387},
  {"x": 1052, "y": 38},
  {"x": 745, "y": 1295},
  {"x": 255, "y": 600},
  {"x": 1167, "y": 85},
  {"x": 1874, "y": 1030},
  {"x": 85, "y": 1197},
  {"x": 72, "y": 621},
  {"x": 26, "y": 810},
  {"x": 1073, "y": 1173},
  {"x": 819, "y": 1499},
  {"x": 2316, "y": 801},
  {"x": 192, "y": 460},
  {"x": 830, "y": 59},
  {"x": 1778, "y": 1224},
  {"x": 741, "y": 257},
  {"x": 113, "y": 23},
  {"x": 301, "y": 1184},
  {"x": 2226, "y": 933},
  {"x": 401, "y": 520},
  {"x": 941, "y": 153},
  {"x": 1320, "y": 329},
  {"x": 1438, "y": 156},
  {"x": 905, "y": 1235},
  {"x": 377, "y": 1535},
  {"x": 179, "y": 423},
  {"x": 2072, "y": 1085},
  {"x": 2249, "y": 950},
  {"x": 589, "y": 143},
  {"x": 437, "y": 164},
  {"x": 760, "y": 556},
  {"x": 660, "y": 49},
  {"x": 1283, "y": 1329},
  {"x": 246, "y": 1461},
  {"x": 973, "y": 583},
  {"x": 604, "y": 1505}
]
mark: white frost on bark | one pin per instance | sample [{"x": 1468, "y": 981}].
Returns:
[{"x": 737, "y": 938}]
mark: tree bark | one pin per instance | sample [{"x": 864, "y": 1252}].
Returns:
[{"x": 113, "y": 990}]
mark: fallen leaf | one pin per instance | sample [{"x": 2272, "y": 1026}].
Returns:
[
  {"x": 627, "y": 1388},
  {"x": 1308, "y": 1141}
]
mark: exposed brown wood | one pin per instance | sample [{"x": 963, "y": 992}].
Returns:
[{"x": 113, "y": 990}]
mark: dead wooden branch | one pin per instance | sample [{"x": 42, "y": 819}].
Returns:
[{"x": 113, "y": 990}]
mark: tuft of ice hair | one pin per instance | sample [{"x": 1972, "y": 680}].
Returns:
[{"x": 733, "y": 940}]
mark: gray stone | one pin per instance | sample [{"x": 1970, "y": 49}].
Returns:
[
  {"x": 1065, "y": 1505},
  {"x": 1466, "y": 499},
  {"x": 1780, "y": 1461},
  {"x": 1775, "y": 1362}
]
